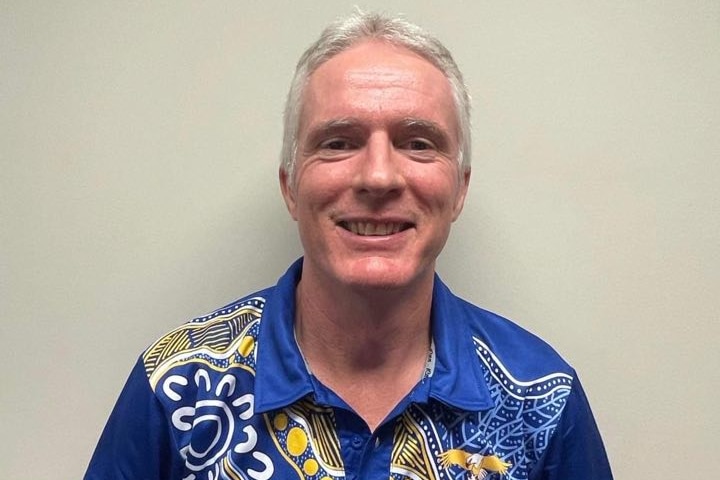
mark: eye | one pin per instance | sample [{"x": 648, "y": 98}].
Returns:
[
  {"x": 419, "y": 144},
  {"x": 419, "y": 149},
  {"x": 336, "y": 144}
]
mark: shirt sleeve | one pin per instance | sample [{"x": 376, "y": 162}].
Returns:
[
  {"x": 136, "y": 442},
  {"x": 576, "y": 450}
]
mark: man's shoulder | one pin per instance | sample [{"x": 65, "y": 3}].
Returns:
[
  {"x": 503, "y": 343},
  {"x": 224, "y": 337},
  {"x": 222, "y": 325}
]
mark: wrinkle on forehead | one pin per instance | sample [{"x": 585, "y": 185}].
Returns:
[
  {"x": 374, "y": 78},
  {"x": 388, "y": 75}
]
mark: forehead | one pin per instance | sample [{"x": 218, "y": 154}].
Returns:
[{"x": 378, "y": 82}]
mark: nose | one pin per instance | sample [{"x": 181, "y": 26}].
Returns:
[{"x": 379, "y": 170}]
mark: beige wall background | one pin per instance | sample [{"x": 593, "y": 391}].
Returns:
[{"x": 138, "y": 160}]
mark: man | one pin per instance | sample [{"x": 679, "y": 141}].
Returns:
[{"x": 359, "y": 363}]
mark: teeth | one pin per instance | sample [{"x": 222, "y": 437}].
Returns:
[{"x": 373, "y": 229}]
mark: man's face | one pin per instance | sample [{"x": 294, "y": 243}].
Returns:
[{"x": 376, "y": 183}]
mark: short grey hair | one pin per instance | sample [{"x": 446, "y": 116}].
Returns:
[{"x": 346, "y": 32}]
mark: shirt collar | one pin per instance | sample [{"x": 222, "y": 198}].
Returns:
[
  {"x": 458, "y": 378},
  {"x": 282, "y": 378}
]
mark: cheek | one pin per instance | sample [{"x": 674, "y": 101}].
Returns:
[
  {"x": 311, "y": 199},
  {"x": 439, "y": 189},
  {"x": 319, "y": 185}
]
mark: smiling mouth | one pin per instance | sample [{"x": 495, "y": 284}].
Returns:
[{"x": 374, "y": 229}]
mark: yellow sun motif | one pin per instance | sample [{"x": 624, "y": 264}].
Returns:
[{"x": 297, "y": 441}]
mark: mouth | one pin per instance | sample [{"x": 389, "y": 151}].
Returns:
[{"x": 374, "y": 229}]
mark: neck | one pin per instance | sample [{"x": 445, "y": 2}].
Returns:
[
  {"x": 367, "y": 329},
  {"x": 369, "y": 347}
]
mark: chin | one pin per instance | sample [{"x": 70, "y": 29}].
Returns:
[{"x": 382, "y": 273}]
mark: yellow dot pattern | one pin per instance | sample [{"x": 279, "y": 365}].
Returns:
[
  {"x": 311, "y": 467},
  {"x": 280, "y": 422},
  {"x": 297, "y": 441}
]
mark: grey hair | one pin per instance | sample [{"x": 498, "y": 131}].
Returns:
[{"x": 343, "y": 34}]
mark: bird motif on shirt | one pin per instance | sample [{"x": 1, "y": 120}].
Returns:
[{"x": 478, "y": 466}]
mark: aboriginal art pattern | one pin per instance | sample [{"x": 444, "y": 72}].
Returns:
[
  {"x": 221, "y": 340},
  {"x": 203, "y": 373},
  {"x": 198, "y": 372},
  {"x": 305, "y": 435},
  {"x": 498, "y": 443}
]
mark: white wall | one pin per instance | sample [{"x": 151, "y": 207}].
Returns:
[{"x": 138, "y": 147}]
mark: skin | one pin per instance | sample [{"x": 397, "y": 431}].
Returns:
[{"x": 376, "y": 189}]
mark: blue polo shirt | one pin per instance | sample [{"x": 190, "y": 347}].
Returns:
[{"x": 228, "y": 396}]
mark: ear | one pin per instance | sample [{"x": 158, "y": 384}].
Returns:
[
  {"x": 462, "y": 192},
  {"x": 288, "y": 192}
]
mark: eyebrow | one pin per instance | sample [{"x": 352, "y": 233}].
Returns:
[
  {"x": 425, "y": 125},
  {"x": 335, "y": 125},
  {"x": 332, "y": 127}
]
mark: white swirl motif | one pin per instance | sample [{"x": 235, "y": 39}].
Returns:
[{"x": 219, "y": 419}]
